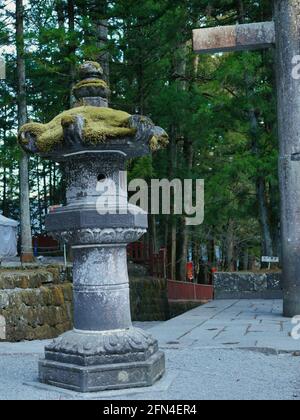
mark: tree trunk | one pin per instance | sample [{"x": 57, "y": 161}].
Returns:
[
  {"x": 245, "y": 259},
  {"x": 26, "y": 238},
  {"x": 4, "y": 196},
  {"x": 103, "y": 58},
  {"x": 173, "y": 249},
  {"x": 50, "y": 184},
  {"x": 72, "y": 48},
  {"x": 211, "y": 250},
  {"x": 188, "y": 157},
  {"x": 39, "y": 195},
  {"x": 54, "y": 184},
  {"x": 230, "y": 246},
  {"x": 154, "y": 241},
  {"x": 45, "y": 192},
  {"x": 274, "y": 218},
  {"x": 100, "y": 23},
  {"x": 184, "y": 252},
  {"x": 196, "y": 259},
  {"x": 204, "y": 271},
  {"x": 241, "y": 11},
  {"x": 180, "y": 70},
  {"x": 267, "y": 245},
  {"x": 59, "y": 8},
  {"x": 5, "y": 206},
  {"x": 173, "y": 219}
]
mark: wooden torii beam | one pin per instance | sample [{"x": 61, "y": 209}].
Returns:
[{"x": 284, "y": 34}]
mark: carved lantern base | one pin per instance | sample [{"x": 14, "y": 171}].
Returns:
[{"x": 90, "y": 362}]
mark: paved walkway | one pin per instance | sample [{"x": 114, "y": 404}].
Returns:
[
  {"x": 235, "y": 324},
  {"x": 209, "y": 355}
]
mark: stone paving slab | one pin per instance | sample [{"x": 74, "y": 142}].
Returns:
[{"x": 237, "y": 324}]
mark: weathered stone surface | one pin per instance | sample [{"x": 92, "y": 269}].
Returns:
[
  {"x": 24, "y": 279},
  {"x": 33, "y": 278},
  {"x": 234, "y": 38},
  {"x": 137, "y": 270},
  {"x": 106, "y": 347},
  {"x": 4, "y": 300},
  {"x": 38, "y": 313},
  {"x": 177, "y": 308},
  {"x": 102, "y": 377},
  {"x": 2, "y": 328},
  {"x": 98, "y": 222},
  {"x": 149, "y": 299},
  {"x": 287, "y": 19},
  {"x": 248, "y": 285}
]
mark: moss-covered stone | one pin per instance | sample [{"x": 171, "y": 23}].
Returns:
[
  {"x": 37, "y": 313},
  {"x": 24, "y": 279},
  {"x": 68, "y": 120},
  {"x": 157, "y": 143},
  {"x": 58, "y": 296},
  {"x": 89, "y": 68},
  {"x": 90, "y": 83},
  {"x": 100, "y": 125},
  {"x": 4, "y": 300},
  {"x": 93, "y": 64},
  {"x": 148, "y": 299},
  {"x": 180, "y": 307}
]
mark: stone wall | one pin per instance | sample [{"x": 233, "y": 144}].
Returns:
[
  {"x": 36, "y": 303},
  {"x": 246, "y": 285},
  {"x": 180, "y": 307},
  {"x": 149, "y": 299}
]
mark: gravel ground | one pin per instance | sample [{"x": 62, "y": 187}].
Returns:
[
  {"x": 200, "y": 366},
  {"x": 201, "y": 375}
]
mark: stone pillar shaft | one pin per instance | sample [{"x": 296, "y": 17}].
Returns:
[
  {"x": 101, "y": 288},
  {"x": 287, "y": 24}
]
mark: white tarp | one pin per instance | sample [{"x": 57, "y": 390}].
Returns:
[{"x": 8, "y": 237}]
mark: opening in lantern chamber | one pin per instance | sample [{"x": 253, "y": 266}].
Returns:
[{"x": 101, "y": 177}]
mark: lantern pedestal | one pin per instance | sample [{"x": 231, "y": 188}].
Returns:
[
  {"x": 90, "y": 362},
  {"x": 103, "y": 351}
]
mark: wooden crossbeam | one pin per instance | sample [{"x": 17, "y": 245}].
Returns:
[{"x": 250, "y": 36}]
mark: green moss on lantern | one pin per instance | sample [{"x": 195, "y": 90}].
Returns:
[
  {"x": 158, "y": 142},
  {"x": 96, "y": 83},
  {"x": 100, "y": 125},
  {"x": 68, "y": 120},
  {"x": 36, "y": 129}
]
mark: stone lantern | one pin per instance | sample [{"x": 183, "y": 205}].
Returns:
[{"x": 103, "y": 351}]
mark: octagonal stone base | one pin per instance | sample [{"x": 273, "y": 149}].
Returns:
[
  {"x": 102, "y": 377},
  {"x": 107, "y": 360}
]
